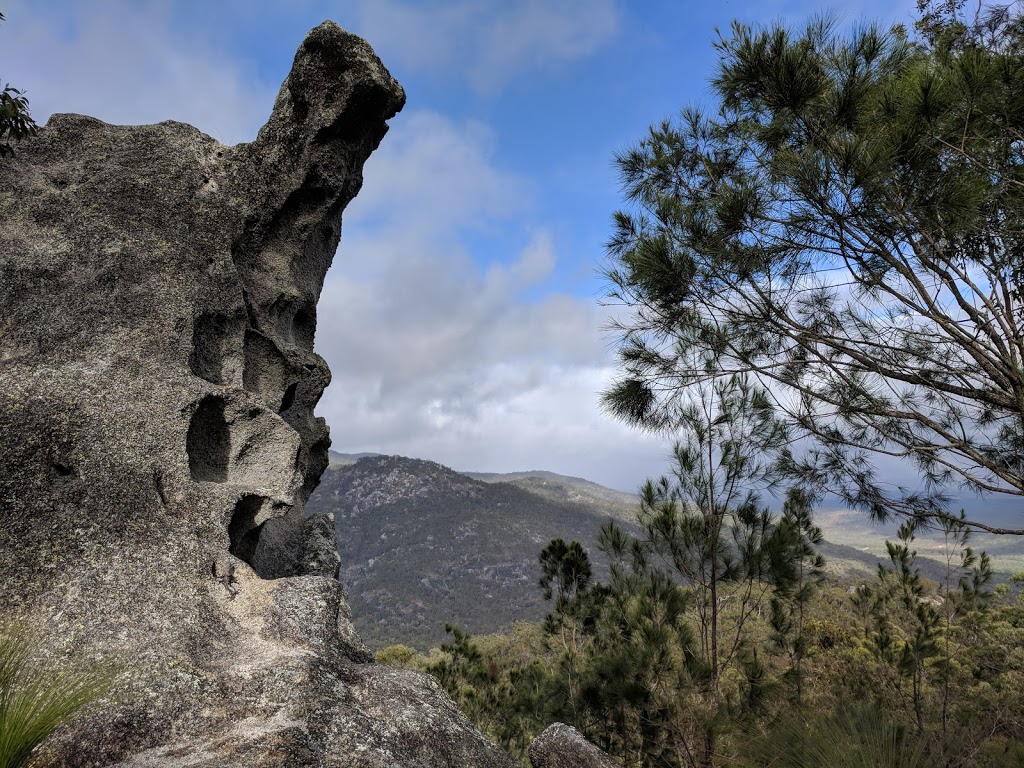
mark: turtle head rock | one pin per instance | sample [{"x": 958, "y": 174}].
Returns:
[{"x": 157, "y": 387}]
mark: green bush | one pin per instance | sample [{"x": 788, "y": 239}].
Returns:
[{"x": 854, "y": 737}]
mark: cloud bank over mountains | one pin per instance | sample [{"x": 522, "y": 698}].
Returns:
[{"x": 437, "y": 355}]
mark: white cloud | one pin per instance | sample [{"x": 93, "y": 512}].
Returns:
[
  {"x": 543, "y": 416},
  {"x": 123, "y": 64},
  {"x": 538, "y": 34},
  {"x": 428, "y": 327},
  {"x": 439, "y": 355},
  {"x": 487, "y": 42},
  {"x": 432, "y": 174}
]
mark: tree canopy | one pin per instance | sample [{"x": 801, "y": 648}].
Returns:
[
  {"x": 847, "y": 226},
  {"x": 15, "y": 121}
]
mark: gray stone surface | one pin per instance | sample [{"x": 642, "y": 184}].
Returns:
[
  {"x": 157, "y": 437},
  {"x": 562, "y": 746}
]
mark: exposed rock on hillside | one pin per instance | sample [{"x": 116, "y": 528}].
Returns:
[
  {"x": 157, "y": 385},
  {"x": 562, "y": 746}
]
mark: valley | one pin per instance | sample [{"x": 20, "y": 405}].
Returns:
[{"x": 422, "y": 545}]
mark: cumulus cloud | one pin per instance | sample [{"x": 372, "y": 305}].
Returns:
[
  {"x": 432, "y": 176},
  {"x": 441, "y": 354},
  {"x": 127, "y": 65},
  {"x": 437, "y": 325},
  {"x": 489, "y": 42},
  {"x": 545, "y": 418}
]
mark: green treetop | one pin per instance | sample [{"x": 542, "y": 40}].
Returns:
[{"x": 847, "y": 226}]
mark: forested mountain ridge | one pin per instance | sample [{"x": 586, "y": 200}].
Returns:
[
  {"x": 551, "y": 485},
  {"x": 557, "y": 487},
  {"x": 421, "y": 545}
]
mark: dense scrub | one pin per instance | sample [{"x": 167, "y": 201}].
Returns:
[{"x": 899, "y": 670}]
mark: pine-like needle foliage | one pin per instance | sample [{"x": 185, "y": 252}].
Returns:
[{"x": 848, "y": 228}]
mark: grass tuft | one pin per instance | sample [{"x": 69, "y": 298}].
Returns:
[{"x": 35, "y": 699}]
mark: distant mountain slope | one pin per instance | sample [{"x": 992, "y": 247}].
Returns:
[
  {"x": 346, "y": 459},
  {"x": 562, "y": 488},
  {"x": 855, "y": 529},
  {"x": 421, "y": 544}
]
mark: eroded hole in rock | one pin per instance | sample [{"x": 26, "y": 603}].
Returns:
[
  {"x": 289, "y": 397},
  {"x": 62, "y": 470},
  {"x": 208, "y": 442},
  {"x": 245, "y": 528},
  {"x": 265, "y": 368},
  {"x": 263, "y": 534},
  {"x": 348, "y": 125},
  {"x": 304, "y": 327},
  {"x": 294, "y": 320},
  {"x": 213, "y": 335},
  {"x": 241, "y": 443}
]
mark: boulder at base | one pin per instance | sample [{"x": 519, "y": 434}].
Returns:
[
  {"x": 562, "y": 746},
  {"x": 157, "y": 386}
]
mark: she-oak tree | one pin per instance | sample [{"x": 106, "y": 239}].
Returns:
[{"x": 847, "y": 227}]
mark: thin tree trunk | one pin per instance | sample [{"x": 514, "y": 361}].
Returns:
[{"x": 709, "y": 736}]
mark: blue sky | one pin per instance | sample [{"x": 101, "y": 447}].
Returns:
[{"x": 461, "y": 318}]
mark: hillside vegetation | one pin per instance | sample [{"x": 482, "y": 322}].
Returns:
[
  {"x": 421, "y": 544},
  {"x": 893, "y": 667}
]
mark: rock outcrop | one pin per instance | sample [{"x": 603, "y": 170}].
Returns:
[
  {"x": 562, "y": 746},
  {"x": 157, "y": 386}
]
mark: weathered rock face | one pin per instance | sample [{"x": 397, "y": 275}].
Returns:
[{"x": 157, "y": 386}]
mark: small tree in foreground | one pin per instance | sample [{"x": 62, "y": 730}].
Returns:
[
  {"x": 799, "y": 568},
  {"x": 15, "y": 121},
  {"x": 672, "y": 660}
]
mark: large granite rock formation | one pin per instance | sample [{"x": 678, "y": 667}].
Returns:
[{"x": 157, "y": 385}]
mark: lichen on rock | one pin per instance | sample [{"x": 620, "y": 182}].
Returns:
[{"x": 157, "y": 389}]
